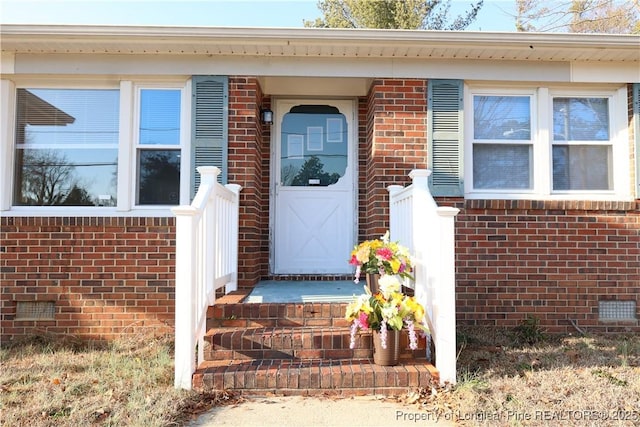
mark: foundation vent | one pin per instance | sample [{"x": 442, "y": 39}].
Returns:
[{"x": 35, "y": 310}]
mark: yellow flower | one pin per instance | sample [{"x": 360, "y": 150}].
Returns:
[
  {"x": 362, "y": 254},
  {"x": 395, "y": 265},
  {"x": 416, "y": 308}
]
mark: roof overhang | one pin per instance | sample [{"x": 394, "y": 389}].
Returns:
[{"x": 319, "y": 43}]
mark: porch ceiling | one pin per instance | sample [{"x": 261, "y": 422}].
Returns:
[{"x": 307, "y": 42}]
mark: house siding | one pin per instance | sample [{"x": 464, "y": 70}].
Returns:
[
  {"x": 395, "y": 143},
  {"x": 106, "y": 276},
  {"x": 249, "y": 167},
  {"x": 553, "y": 260}
]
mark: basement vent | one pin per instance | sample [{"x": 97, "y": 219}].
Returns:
[
  {"x": 35, "y": 310},
  {"x": 616, "y": 310}
]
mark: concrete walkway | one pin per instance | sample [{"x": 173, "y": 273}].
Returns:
[{"x": 320, "y": 411}]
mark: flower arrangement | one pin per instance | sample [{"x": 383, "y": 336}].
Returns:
[
  {"x": 381, "y": 256},
  {"x": 388, "y": 309}
]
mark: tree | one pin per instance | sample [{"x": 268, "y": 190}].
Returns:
[
  {"x": 579, "y": 16},
  {"x": 46, "y": 178},
  {"x": 78, "y": 196},
  {"x": 313, "y": 168},
  {"x": 387, "y": 14}
]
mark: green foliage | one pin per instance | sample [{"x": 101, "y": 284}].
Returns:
[
  {"x": 604, "y": 374},
  {"x": 388, "y": 14},
  {"x": 529, "y": 331}
]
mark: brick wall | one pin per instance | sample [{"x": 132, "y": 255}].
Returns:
[
  {"x": 106, "y": 276},
  {"x": 249, "y": 167},
  {"x": 395, "y": 143},
  {"x": 552, "y": 260}
]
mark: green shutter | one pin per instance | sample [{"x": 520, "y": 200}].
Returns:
[
  {"x": 636, "y": 115},
  {"x": 445, "y": 105},
  {"x": 210, "y": 126}
]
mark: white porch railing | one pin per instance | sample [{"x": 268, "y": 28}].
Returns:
[
  {"x": 206, "y": 260},
  {"x": 427, "y": 230}
]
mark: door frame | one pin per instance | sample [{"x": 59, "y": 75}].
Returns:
[{"x": 277, "y": 105}]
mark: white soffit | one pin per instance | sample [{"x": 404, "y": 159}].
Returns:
[{"x": 313, "y": 42}]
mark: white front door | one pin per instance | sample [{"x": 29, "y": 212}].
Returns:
[{"x": 313, "y": 176}]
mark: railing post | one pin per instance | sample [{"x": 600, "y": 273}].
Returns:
[
  {"x": 235, "y": 230},
  {"x": 446, "y": 317},
  {"x": 185, "y": 341}
]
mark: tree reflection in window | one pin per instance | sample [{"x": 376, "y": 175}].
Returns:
[
  {"x": 314, "y": 146},
  {"x": 313, "y": 169}
]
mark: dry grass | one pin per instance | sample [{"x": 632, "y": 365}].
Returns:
[
  {"x": 523, "y": 378},
  {"x": 506, "y": 378},
  {"x": 49, "y": 381}
]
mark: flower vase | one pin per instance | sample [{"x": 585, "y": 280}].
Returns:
[
  {"x": 386, "y": 356},
  {"x": 372, "y": 282}
]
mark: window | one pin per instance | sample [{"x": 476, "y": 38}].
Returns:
[
  {"x": 158, "y": 147},
  {"x": 66, "y": 147},
  {"x": 502, "y": 145},
  {"x": 546, "y": 143},
  {"x": 322, "y": 159},
  {"x": 119, "y": 147},
  {"x": 581, "y": 144}
]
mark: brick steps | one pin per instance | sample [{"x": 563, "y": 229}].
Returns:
[
  {"x": 345, "y": 377},
  {"x": 299, "y": 349},
  {"x": 304, "y": 342}
]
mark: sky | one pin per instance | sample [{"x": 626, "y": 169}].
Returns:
[{"x": 494, "y": 15}]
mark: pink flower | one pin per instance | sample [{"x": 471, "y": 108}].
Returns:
[
  {"x": 364, "y": 320},
  {"x": 384, "y": 253}
]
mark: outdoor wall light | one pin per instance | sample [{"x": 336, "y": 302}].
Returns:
[{"x": 266, "y": 116}]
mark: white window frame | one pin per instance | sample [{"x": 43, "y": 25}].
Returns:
[
  {"x": 541, "y": 132},
  {"x": 182, "y": 146},
  {"x": 127, "y": 168}
]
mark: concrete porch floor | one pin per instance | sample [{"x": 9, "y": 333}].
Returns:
[{"x": 304, "y": 291}]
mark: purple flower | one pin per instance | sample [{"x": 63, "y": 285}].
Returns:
[
  {"x": 413, "y": 339},
  {"x": 383, "y": 334}
]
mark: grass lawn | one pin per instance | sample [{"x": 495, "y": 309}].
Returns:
[
  {"x": 46, "y": 381},
  {"x": 523, "y": 377},
  {"x": 505, "y": 377}
]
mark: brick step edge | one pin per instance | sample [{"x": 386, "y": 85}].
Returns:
[
  {"x": 333, "y": 376},
  {"x": 285, "y": 338},
  {"x": 253, "y": 311},
  {"x": 282, "y": 322},
  {"x": 295, "y": 342}
]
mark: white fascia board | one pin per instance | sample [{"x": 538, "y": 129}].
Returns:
[
  {"x": 166, "y": 65},
  {"x": 605, "y": 72}
]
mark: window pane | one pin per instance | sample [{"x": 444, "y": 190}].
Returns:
[
  {"x": 580, "y": 119},
  {"x": 160, "y": 117},
  {"x": 72, "y": 177},
  {"x": 501, "y": 117},
  {"x": 159, "y": 182},
  {"x": 66, "y": 147},
  {"x": 67, "y": 116},
  {"x": 501, "y": 166},
  {"x": 581, "y": 167},
  {"x": 314, "y": 146}
]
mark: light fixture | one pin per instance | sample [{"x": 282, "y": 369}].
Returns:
[{"x": 266, "y": 116}]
